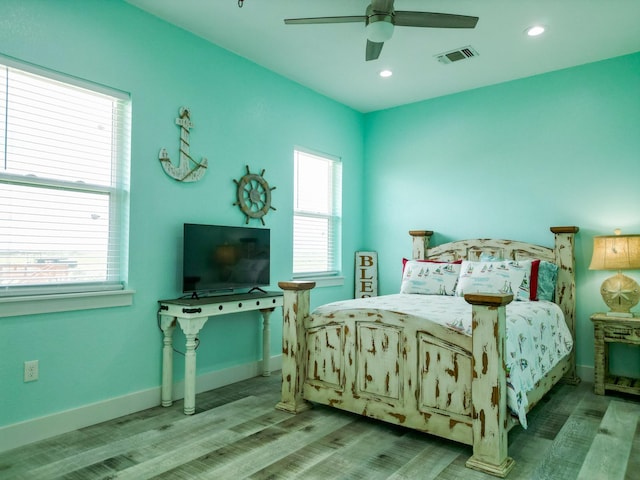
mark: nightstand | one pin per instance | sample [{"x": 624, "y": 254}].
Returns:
[{"x": 608, "y": 330}]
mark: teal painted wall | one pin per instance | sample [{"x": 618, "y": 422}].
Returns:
[
  {"x": 243, "y": 115},
  {"x": 510, "y": 161}
]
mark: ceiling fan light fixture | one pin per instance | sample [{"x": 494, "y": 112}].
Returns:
[{"x": 379, "y": 28}]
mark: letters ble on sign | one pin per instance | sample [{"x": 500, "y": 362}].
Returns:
[{"x": 366, "y": 274}]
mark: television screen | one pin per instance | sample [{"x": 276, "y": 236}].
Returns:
[{"x": 221, "y": 258}]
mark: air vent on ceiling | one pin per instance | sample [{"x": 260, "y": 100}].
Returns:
[{"x": 456, "y": 55}]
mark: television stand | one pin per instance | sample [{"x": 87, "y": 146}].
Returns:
[
  {"x": 191, "y": 314},
  {"x": 254, "y": 289}
]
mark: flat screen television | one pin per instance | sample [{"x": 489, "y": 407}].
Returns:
[{"x": 219, "y": 258}]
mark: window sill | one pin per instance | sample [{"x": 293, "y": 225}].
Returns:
[
  {"x": 64, "y": 302},
  {"x": 323, "y": 281}
]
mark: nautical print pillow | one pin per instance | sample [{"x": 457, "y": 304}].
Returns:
[
  {"x": 508, "y": 276},
  {"x": 405, "y": 260},
  {"x": 430, "y": 278}
]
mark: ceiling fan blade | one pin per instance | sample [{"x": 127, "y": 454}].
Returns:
[
  {"x": 433, "y": 20},
  {"x": 373, "y": 50},
  {"x": 305, "y": 21}
]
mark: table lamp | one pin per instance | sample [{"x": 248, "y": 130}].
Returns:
[{"x": 618, "y": 252}]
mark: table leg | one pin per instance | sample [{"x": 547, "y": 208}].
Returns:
[
  {"x": 601, "y": 360},
  {"x": 266, "y": 341},
  {"x": 167, "y": 325},
  {"x": 190, "y": 327}
]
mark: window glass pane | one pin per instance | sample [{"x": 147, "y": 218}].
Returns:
[
  {"x": 58, "y": 132},
  {"x": 310, "y": 235},
  {"x": 314, "y": 180},
  {"x": 51, "y": 236}
]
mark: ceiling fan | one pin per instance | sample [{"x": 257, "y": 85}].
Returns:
[{"x": 380, "y": 19}]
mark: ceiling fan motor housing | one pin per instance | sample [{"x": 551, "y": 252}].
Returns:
[{"x": 379, "y": 25}]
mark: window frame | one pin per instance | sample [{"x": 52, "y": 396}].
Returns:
[
  {"x": 333, "y": 276},
  {"x": 25, "y": 300}
]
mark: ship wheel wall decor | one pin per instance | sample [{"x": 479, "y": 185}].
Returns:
[
  {"x": 188, "y": 170},
  {"x": 254, "y": 195}
]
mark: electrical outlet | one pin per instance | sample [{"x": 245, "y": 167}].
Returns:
[{"x": 31, "y": 371}]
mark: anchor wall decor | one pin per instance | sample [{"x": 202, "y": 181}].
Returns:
[{"x": 188, "y": 170}]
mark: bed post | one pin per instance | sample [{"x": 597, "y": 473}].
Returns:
[
  {"x": 489, "y": 384},
  {"x": 566, "y": 288},
  {"x": 420, "y": 243},
  {"x": 295, "y": 309}
]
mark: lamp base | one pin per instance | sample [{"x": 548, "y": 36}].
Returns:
[{"x": 621, "y": 294}]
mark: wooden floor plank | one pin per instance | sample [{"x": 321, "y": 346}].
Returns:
[
  {"x": 431, "y": 461},
  {"x": 169, "y": 461},
  {"x": 633, "y": 466},
  {"x": 609, "y": 452},
  {"x": 205, "y": 442},
  {"x": 345, "y": 462},
  {"x": 386, "y": 455},
  {"x": 102, "y": 469},
  {"x": 298, "y": 463},
  {"x": 457, "y": 470},
  {"x": 529, "y": 452},
  {"x": 571, "y": 445},
  {"x": 243, "y": 458},
  {"x": 180, "y": 431}
]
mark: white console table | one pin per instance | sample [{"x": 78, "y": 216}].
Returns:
[{"x": 191, "y": 314}]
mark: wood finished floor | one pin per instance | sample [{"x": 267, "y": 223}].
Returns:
[{"x": 236, "y": 433}]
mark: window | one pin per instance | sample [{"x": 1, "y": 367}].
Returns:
[
  {"x": 64, "y": 169},
  {"x": 316, "y": 215}
]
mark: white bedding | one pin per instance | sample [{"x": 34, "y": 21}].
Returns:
[{"x": 537, "y": 335}]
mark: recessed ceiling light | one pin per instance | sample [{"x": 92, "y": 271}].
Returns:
[
  {"x": 535, "y": 30},
  {"x": 386, "y": 73}
]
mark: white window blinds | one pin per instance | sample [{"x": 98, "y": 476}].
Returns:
[
  {"x": 317, "y": 214},
  {"x": 64, "y": 159}
]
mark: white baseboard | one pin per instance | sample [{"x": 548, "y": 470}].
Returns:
[
  {"x": 29, "y": 431},
  {"x": 585, "y": 372}
]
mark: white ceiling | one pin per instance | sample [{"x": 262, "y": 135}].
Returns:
[{"x": 330, "y": 58}]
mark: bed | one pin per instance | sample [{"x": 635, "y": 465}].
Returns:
[{"x": 382, "y": 359}]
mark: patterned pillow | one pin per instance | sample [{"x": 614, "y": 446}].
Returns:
[
  {"x": 430, "y": 278},
  {"x": 508, "y": 276},
  {"x": 405, "y": 260},
  {"x": 547, "y": 277}
]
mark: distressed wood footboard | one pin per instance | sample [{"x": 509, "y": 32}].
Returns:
[{"x": 395, "y": 368}]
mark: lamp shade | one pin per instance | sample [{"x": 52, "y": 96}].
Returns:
[{"x": 616, "y": 252}]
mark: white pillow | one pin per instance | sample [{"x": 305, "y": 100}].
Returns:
[
  {"x": 430, "y": 278},
  {"x": 508, "y": 276}
]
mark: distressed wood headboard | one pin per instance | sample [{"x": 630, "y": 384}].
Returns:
[{"x": 562, "y": 254}]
